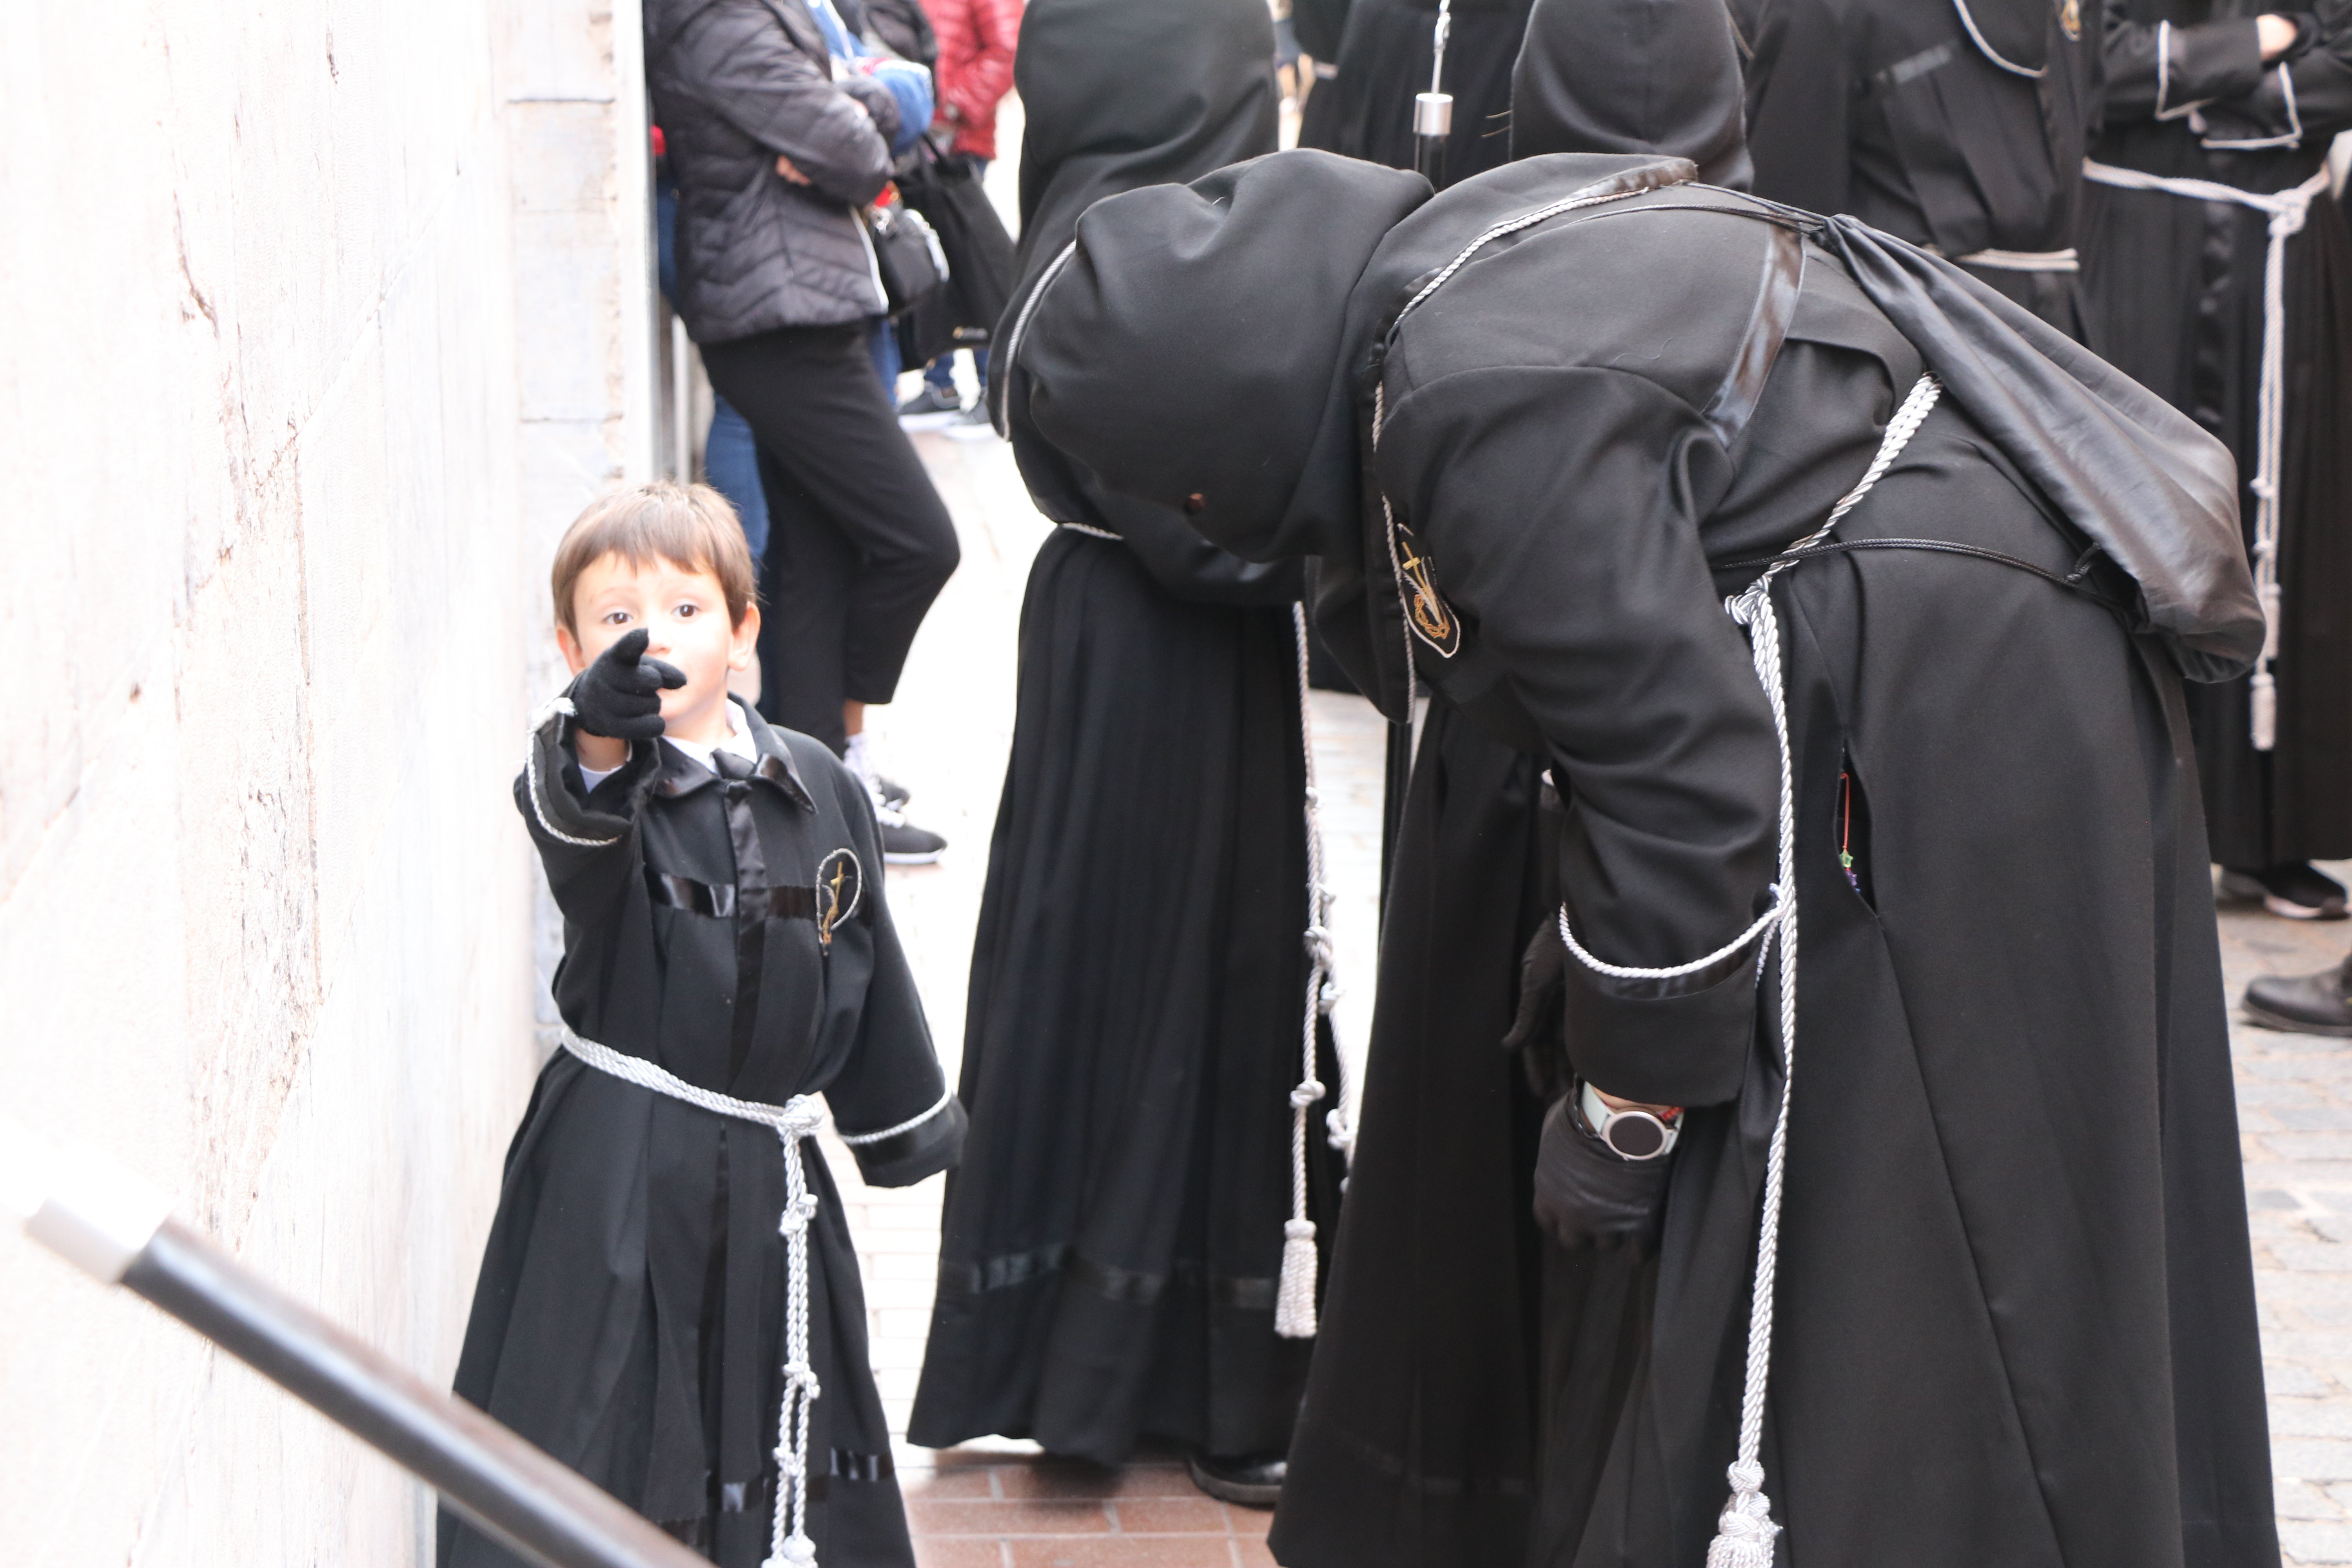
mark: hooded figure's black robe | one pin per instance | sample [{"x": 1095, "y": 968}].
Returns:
[
  {"x": 1442, "y": 1275},
  {"x": 630, "y": 1314},
  {"x": 1956, "y": 124},
  {"x": 2175, "y": 289},
  {"x": 2015, "y": 1311},
  {"x": 1110, "y": 1245},
  {"x": 1384, "y": 61}
]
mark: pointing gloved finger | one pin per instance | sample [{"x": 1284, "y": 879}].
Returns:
[
  {"x": 668, "y": 675},
  {"x": 630, "y": 649}
]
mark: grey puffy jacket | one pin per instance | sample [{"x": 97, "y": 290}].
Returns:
[{"x": 735, "y": 83}]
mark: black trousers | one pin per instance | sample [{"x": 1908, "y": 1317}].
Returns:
[{"x": 859, "y": 542}]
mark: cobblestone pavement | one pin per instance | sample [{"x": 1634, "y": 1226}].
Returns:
[{"x": 999, "y": 1505}]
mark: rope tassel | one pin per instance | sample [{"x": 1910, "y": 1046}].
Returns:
[
  {"x": 1744, "y": 1534},
  {"x": 1294, "y": 1302}
]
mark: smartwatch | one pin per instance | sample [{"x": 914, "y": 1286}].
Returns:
[{"x": 1631, "y": 1134}]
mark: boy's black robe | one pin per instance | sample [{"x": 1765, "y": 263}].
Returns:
[
  {"x": 1111, "y": 1241},
  {"x": 2015, "y": 1316},
  {"x": 1898, "y": 112},
  {"x": 629, "y": 1317},
  {"x": 2174, "y": 291}
]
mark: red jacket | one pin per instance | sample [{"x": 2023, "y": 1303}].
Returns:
[{"x": 975, "y": 67}]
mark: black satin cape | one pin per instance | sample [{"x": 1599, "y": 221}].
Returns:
[
  {"x": 2174, "y": 291},
  {"x": 1110, "y": 1247},
  {"x": 1969, "y": 1368}
]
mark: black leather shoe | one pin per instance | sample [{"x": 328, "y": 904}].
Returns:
[
  {"x": 2318, "y": 1003},
  {"x": 1253, "y": 1480}
]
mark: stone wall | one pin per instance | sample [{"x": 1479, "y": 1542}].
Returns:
[{"x": 321, "y": 319}]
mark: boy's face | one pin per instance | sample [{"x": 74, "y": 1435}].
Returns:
[{"x": 684, "y": 611}]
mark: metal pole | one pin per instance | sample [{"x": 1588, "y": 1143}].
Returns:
[
  {"x": 100, "y": 1217},
  {"x": 1433, "y": 111},
  {"x": 681, "y": 380}
]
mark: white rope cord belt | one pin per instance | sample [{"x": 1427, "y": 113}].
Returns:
[
  {"x": 2287, "y": 211},
  {"x": 789, "y": 1545},
  {"x": 1294, "y": 1300},
  {"x": 1745, "y": 1532},
  {"x": 2064, "y": 260}
]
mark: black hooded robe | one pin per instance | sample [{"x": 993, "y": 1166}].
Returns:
[
  {"x": 1958, "y": 125},
  {"x": 1110, "y": 1246},
  {"x": 1442, "y": 1273},
  {"x": 630, "y": 1314},
  {"x": 2015, "y": 1312},
  {"x": 2175, "y": 289},
  {"x": 1384, "y": 61}
]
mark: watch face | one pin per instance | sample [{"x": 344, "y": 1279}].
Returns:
[{"x": 1637, "y": 1135}]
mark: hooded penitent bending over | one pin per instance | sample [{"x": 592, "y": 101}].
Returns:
[
  {"x": 1456, "y": 1339},
  {"x": 1538, "y": 429},
  {"x": 1109, "y": 1255}
]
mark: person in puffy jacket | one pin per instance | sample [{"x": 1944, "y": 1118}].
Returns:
[{"x": 774, "y": 154}]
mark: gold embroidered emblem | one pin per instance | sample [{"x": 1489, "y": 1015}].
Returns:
[
  {"x": 1432, "y": 617},
  {"x": 2070, "y": 19},
  {"x": 839, "y": 882}
]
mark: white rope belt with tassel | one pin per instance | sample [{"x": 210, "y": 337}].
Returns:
[
  {"x": 1745, "y": 1532},
  {"x": 789, "y": 1545},
  {"x": 1294, "y": 1300},
  {"x": 2287, "y": 211}
]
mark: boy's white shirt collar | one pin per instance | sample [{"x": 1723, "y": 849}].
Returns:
[{"x": 739, "y": 741}]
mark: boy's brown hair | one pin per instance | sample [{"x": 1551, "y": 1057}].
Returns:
[{"x": 691, "y": 525}]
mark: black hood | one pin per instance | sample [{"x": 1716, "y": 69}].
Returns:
[
  {"x": 1118, "y": 95},
  {"x": 1632, "y": 76},
  {"x": 1204, "y": 348}
]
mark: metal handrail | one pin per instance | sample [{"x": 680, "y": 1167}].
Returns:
[{"x": 98, "y": 1216}]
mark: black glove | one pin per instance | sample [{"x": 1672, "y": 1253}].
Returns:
[
  {"x": 1588, "y": 1196},
  {"x": 1539, "y": 1031},
  {"x": 619, "y": 696}
]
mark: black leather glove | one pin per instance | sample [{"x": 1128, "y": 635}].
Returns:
[
  {"x": 1587, "y": 1195},
  {"x": 619, "y": 696}
]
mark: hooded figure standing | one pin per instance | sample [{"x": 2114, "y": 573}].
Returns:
[
  {"x": 1456, "y": 1339},
  {"x": 1958, "y": 125},
  {"x": 1537, "y": 428},
  {"x": 2212, "y": 170},
  {"x": 1110, "y": 1249},
  {"x": 1385, "y": 57}
]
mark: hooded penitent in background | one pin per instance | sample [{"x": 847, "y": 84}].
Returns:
[
  {"x": 1450, "y": 1415},
  {"x": 1958, "y": 125},
  {"x": 1110, "y": 1249},
  {"x": 1585, "y": 401},
  {"x": 2178, "y": 284},
  {"x": 1385, "y": 60}
]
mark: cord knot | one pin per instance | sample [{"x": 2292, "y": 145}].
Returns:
[
  {"x": 1305, "y": 1094},
  {"x": 797, "y": 1214},
  {"x": 797, "y": 1550}
]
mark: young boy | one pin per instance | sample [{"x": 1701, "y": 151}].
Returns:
[{"x": 668, "y": 1301}]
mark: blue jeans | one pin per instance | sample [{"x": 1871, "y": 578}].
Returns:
[{"x": 730, "y": 461}]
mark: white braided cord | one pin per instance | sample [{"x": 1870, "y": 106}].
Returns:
[
  {"x": 856, "y": 1139},
  {"x": 1294, "y": 1312},
  {"x": 2287, "y": 211},
  {"x": 789, "y": 1545}
]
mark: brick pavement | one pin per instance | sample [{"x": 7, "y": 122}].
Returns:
[{"x": 1000, "y": 1505}]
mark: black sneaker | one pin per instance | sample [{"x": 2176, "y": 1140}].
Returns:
[
  {"x": 2318, "y": 1003},
  {"x": 2293, "y": 891},
  {"x": 928, "y": 410},
  {"x": 889, "y": 793},
  {"x": 1253, "y": 1480},
  {"x": 903, "y": 843}
]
